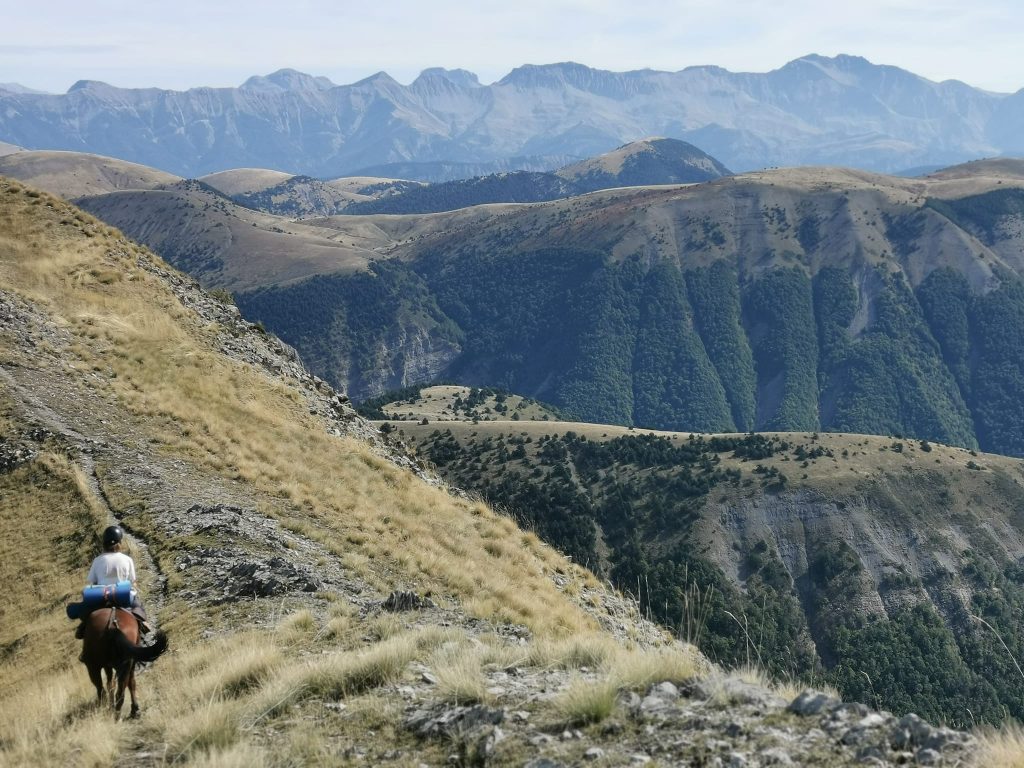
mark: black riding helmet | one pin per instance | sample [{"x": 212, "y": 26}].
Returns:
[{"x": 112, "y": 535}]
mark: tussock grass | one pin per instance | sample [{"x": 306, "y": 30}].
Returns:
[
  {"x": 235, "y": 756},
  {"x": 58, "y": 704},
  {"x": 790, "y": 688},
  {"x": 297, "y": 625},
  {"x": 642, "y": 668},
  {"x": 587, "y": 650},
  {"x": 214, "y": 725},
  {"x": 338, "y": 628},
  {"x": 1000, "y": 747},
  {"x": 36, "y": 635},
  {"x": 459, "y": 673},
  {"x": 344, "y": 675},
  {"x": 585, "y": 702},
  {"x": 385, "y": 626},
  {"x": 243, "y": 669},
  {"x": 334, "y": 676}
]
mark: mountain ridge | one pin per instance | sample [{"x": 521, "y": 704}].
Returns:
[{"x": 813, "y": 110}]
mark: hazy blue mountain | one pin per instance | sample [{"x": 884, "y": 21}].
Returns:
[
  {"x": 814, "y": 110},
  {"x": 18, "y": 88}
]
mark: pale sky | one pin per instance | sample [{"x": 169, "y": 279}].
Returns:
[{"x": 186, "y": 43}]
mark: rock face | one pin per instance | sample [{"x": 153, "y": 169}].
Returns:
[
  {"x": 717, "y": 721},
  {"x": 841, "y": 110}
]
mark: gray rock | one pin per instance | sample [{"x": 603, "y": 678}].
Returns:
[
  {"x": 872, "y": 720},
  {"x": 776, "y": 756},
  {"x": 665, "y": 690},
  {"x": 728, "y": 691},
  {"x": 451, "y": 721},
  {"x": 406, "y": 601},
  {"x": 927, "y": 757},
  {"x": 900, "y": 737},
  {"x": 870, "y": 754},
  {"x": 594, "y": 753},
  {"x": 813, "y": 702}
]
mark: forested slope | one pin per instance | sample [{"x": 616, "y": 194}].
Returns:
[{"x": 795, "y": 300}]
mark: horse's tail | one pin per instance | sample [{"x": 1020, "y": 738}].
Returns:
[{"x": 140, "y": 653}]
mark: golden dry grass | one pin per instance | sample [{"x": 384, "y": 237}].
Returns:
[
  {"x": 224, "y": 417},
  {"x": 1000, "y": 748},
  {"x": 586, "y": 701},
  {"x": 459, "y": 673},
  {"x": 43, "y": 560},
  {"x": 644, "y": 667},
  {"x": 211, "y": 702}
]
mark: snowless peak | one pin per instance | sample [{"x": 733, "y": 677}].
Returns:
[
  {"x": 89, "y": 85},
  {"x": 21, "y": 89},
  {"x": 287, "y": 80},
  {"x": 98, "y": 89},
  {"x": 381, "y": 78},
  {"x": 546, "y": 74},
  {"x": 459, "y": 77}
]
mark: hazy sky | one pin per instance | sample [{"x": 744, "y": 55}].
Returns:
[{"x": 221, "y": 42}]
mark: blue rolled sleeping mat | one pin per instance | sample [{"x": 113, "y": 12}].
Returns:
[{"x": 120, "y": 595}]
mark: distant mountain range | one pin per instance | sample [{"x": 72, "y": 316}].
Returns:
[{"x": 814, "y": 110}]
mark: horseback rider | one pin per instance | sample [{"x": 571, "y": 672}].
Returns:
[{"x": 111, "y": 567}]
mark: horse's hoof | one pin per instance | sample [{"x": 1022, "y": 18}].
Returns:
[{"x": 134, "y": 715}]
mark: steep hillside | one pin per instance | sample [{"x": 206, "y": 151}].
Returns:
[
  {"x": 224, "y": 244},
  {"x": 814, "y": 110},
  {"x": 326, "y": 601},
  {"x": 76, "y": 174},
  {"x": 885, "y": 566},
  {"x": 640, "y": 163},
  {"x": 798, "y": 299}
]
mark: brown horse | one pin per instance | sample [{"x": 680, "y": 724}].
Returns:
[{"x": 111, "y": 644}]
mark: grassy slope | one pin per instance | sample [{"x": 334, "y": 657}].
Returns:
[
  {"x": 77, "y": 174},
  {"x": 152, "y": 367}
]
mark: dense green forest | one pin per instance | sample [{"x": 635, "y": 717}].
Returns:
[
  {"x": 654, "y": 346},
  {"x": 747, "y": 340},
  {"x": 631, "y": 508}
]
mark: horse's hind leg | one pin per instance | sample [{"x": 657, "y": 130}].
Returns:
[
  {"x": 96, "y": 676},
  {"x": 110, "y": 685},
  {"x": 131, "y": 689},
  {"x": 122, "y": 675}
]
